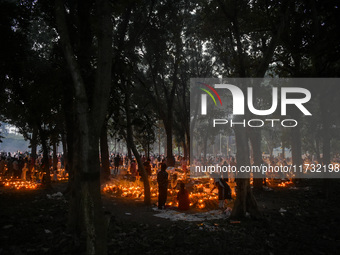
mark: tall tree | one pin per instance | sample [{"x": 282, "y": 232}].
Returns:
[
  {"x": 246, "y": 43},
  {"x": 28, "y": 82},
  {"x": 91, "y": 100},
  {"x": 162, "y": 52}
]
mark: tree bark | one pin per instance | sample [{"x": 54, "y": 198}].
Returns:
[
  {"x": 170, "y": 161},
  {"x": 245, "y": 201},
  {"x": 317, "y": 149},
  {"x": 205, "y": 147},
  {"x": 65, "y": 150},
  {"x": 46, "y": 169},
  {"x": 75, "y": 216},
  {"x": 185, "y": 150},
  {"x": 67, "y": 139},
  {"x": 132, "y": 146},
  {"x": 255, "y": 140},
  {"x": 326, "y": 139},
  {"x": 187, "y": 147},
  {"x": 104, "y": 152},
  {"x": 55, "y": 156},
  {"x": 296, "y": 149},
  {"x": 90, "y": 111},
  {"x": 34, "y": 142},
  {"x": 129, "y": 152}
]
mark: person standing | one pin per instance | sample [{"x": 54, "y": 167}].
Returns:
[
  {"x": 183, "y": 198},
  {"x": 23, "y": 172},
  {"x": 15, "y": 168},
  {"x": 224, "y": 191},
  {"x": 133, "y": 168},
  {"x": 162, "y": 180},
  {"x": 116, "y": 162}
]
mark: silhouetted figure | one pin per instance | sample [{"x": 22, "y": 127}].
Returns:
[
  {"x": 162, "y": 179},
  {"x": 183, "y": 198}
]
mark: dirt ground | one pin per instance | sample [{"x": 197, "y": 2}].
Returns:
[{"x": 302, "y": 220}]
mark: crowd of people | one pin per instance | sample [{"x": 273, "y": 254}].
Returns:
[
  {"x": 119, "y": 161},
  {"x": 23, "y": 166},
  {"x": 166, "y": 178},
  {"x": 27, "y": 168},
  {"x": 156, "y": 166}
]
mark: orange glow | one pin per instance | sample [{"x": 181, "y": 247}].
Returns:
[
  {"x": 284, "y": 184},
  {"x": 19, "y": 184},
  {"x": 200, "y": 197}
]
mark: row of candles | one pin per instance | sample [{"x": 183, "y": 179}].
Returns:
[
  {"x": 200, "y": 197},
  {"x": 285, "y": 184},
  {"x": 272, "y": 183},
  {"x": 19, "y": 184},
  {"x": 197, "y": 199}
]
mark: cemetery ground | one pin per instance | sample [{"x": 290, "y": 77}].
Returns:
[{"x": 296, "y": 220}]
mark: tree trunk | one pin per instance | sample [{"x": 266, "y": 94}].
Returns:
[
  {"x": 255, "y": 140},
  {"x": 326, "y": 143},
  {"x": 34, "y": 142},
  {"x": 95, "y": 223},
  {"x": 326, "y": 140},
  {"x": 147, "y": 192},
  {"x": 296, "y": 149},
  {"x": 165, "y": 147},
  {"x": 170, "y": 161},
  {"x": 185, "y": 151},
  {"x": 75, "y": 217},
  {"x": 129, "y": 153},
  {"x": 55, "y": 156},
  {"x": 90, "y": 111},
  {"x": 132, "y": 146},
  {"x": 205, "y": 147},
  {"x": 245, "y": 201},
  {"x": 317, "y": 149},
  {"x": 104, "y": 152},
  {"x": 186, "y": 147},
  {"x": 46, "y": 169},
  {"x": 65, "y": 150},
  {"x": 67, "y": 139}
]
